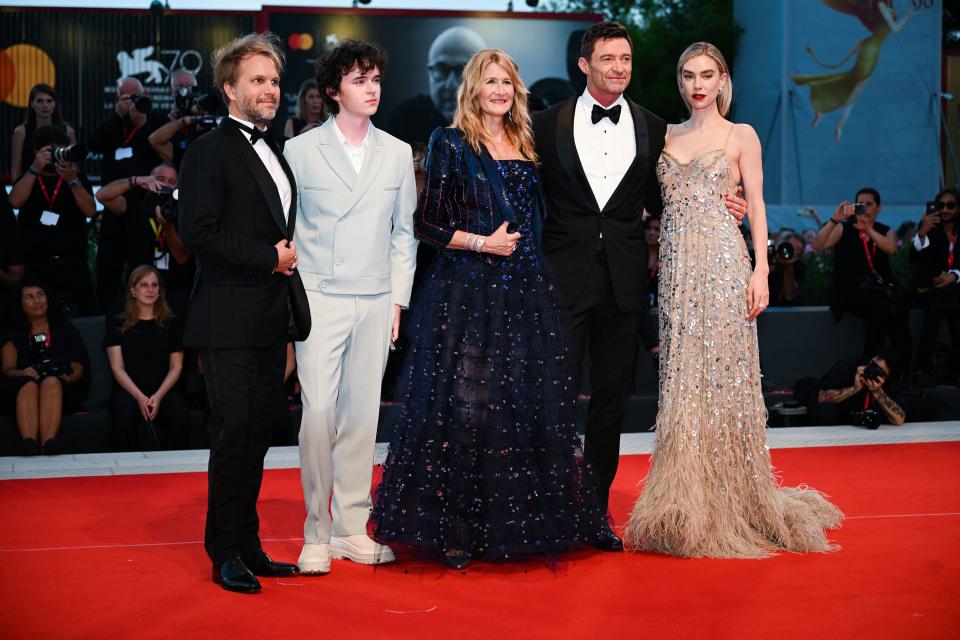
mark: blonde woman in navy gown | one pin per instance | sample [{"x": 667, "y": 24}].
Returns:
[
  {"x": 711, "y": 490},
  {"x": 485, "y": 461}
]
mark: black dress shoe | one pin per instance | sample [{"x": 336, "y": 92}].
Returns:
[
  {"x": 52, "y": 447},
  {"x": 456, "y": 559},
  {"x": 260, "y": 564},
  {"x": 28, "y": 447},
  {"x": 607, "y": 540},
  {"x": 233, "y": 575}
]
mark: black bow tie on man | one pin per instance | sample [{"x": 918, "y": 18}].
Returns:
[
  {"x": 599, "y": 113},
  {"x": 254, "y": 133}
]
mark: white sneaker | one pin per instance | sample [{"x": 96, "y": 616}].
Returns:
[
  {"x": 314, "y": 559},
  {"x": 360, "y": 549}
]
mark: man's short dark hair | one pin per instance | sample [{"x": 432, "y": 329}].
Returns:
[
  {"x": 49, "y": 134},
  {"x": 870, "y": 191},
  {"x": 607, "y": 30},
  {"x": 341, "y": 60}
]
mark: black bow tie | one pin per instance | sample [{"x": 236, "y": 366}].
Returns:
[
  {"x": 254, "y": 133},
  {"x": 599, "y": 113}
]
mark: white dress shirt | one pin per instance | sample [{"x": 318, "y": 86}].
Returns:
[
  {"x": 273, "y": 166},
  {"x": 355, "y": 154},
  {"x": 606, "y": 150}
]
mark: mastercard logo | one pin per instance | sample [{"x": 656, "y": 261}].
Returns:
[
  {"x": 21, "y": 67},
  {"x": 301, "y": 41}
]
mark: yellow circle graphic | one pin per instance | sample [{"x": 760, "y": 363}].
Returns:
[
  {"x": 28, "y": 65},
  {"x": 306, "y": 41}
]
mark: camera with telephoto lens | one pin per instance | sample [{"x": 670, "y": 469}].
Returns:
[
  {"x": 188, "y": 97},
  {"x": 141, "y": 103},
  {"x": 73, "y": 153},
  {"x": 166, "y": 199},
  {"x": 44, "y": 364},
  {"x": 785, "y": 251},
  {"x": 869, "y": 418},
  {"x": 873, "y": 372}
]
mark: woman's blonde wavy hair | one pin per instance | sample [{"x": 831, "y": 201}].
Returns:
[
  {"x": 707, "y": 49},
  {"x": 469, "y": 117}
]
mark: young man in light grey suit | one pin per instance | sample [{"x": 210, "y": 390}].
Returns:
[{"x": 357, "y": 255}]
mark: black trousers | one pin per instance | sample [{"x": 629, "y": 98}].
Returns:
[
  {"x": 613, "y": 339},
  {"x": 882, "y": 321},
  {"x": 132, "y": 433},
  {"x": 247, "y": 403},
  {"x": 938, "y": 305},
  {"x": 111, "y": 255}
]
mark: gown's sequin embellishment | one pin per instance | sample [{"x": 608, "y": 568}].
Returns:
[
  {"x": 711, "y": 490},
  {"x": 485, "y": 457}
]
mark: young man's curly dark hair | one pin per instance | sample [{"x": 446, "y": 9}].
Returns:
[{"x": 341, "y": 60}]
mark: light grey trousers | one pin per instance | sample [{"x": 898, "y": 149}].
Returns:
[{"x": 340, "y": 367}]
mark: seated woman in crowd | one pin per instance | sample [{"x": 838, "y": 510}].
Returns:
[
  {"x": 863, "y": 281},
  {"x": 44, "y": 364},
  {"x": 43, "y": 111},
  {"x": 935, "y": 256},
  {"x": 144, "y": 347}
]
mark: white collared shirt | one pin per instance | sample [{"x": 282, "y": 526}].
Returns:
[
  {"x": 606, "y": 150},
  {"x": 273, "y": 166},
  {"x": 355, "y": 154}
]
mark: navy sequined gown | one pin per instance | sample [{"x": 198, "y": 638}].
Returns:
[{"x": 485, "y": 457}]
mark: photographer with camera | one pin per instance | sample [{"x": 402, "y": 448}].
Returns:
[
  {"x": 852, "y": 392},
  {"x": 56, "y": 202},
  {"x": 123, "y": 141},
  {"x": 787, "y": 270},
  {"x": 42, "y": 111},
  {"x": 145, "y": 347},
  {"x": 192, "y": 115},
  {"x": 935, "y": 255},
  {"x": 149, "y": 210},
  {"x": 44, "y": 365},
  {"x": 863, "y": 281}
]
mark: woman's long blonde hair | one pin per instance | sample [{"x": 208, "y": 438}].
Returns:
[
  {"x": 131, "y": 313},
  {"x": 469, "y": 117},
  {"x": 711, "y": 51}
]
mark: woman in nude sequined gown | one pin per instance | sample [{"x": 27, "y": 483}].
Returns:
[{"x": 711, "y": 490}]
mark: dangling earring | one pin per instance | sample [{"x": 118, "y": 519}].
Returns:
[{"x": 510, "y": 114}]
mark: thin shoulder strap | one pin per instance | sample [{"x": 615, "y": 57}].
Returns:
[
  {"x": 669, "y": 129},
  {"x": 729, "y": 133}
]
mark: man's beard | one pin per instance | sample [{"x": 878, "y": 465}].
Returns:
[{"x": 250, "y": 112}]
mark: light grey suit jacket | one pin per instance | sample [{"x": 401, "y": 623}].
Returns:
[{"x": 354, "y": 231}]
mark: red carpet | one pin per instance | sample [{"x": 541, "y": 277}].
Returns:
[{"x": 119, "y": 557}]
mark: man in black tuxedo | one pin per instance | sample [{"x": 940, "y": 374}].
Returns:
[
  {"x": 599, "y": 153},
  {"x": 237, "y": 209}
]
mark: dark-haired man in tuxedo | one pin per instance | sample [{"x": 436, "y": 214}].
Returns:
[
  {"x": 237, "y": 210},
  {"x": 599, "y": 153}
]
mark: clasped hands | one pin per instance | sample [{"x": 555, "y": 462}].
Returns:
[{"x": 286, "y": 257}]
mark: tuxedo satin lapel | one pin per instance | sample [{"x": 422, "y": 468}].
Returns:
[
  {"x": 260, "y": 174},
  {"x": 372, "y": 160},
  {"x": 336, "y": 157},
  {"x": 640, "y": 159},
  {"x": 567, "y": 151},
  {"x": 292, "y": 214}
]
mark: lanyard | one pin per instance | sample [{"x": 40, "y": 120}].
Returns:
[
  {"x": 866, "y": 401},
  {"x": 866, "y": 250},
  {"x": 652, "y": 271},
  {"x": 129, "y": 136},
  {"x": 46, "y": 194},
  {"x": 950, "y": 250},
  {"x": 158, "y": 234}
]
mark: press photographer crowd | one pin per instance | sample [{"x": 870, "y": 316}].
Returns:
[{"x": 65, "y": 267}]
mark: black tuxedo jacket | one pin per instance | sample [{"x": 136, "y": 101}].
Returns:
[
  {"x": 575, "y": 221},
  {"x": 231, "y": 217},
  {"x": 932, "y": 261}
]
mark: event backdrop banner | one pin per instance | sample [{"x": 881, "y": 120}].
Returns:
[
  {"x": 82, "y": 54},
  {"x": 427, "y": 53},
  {"x": 843, "y": 93}
]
